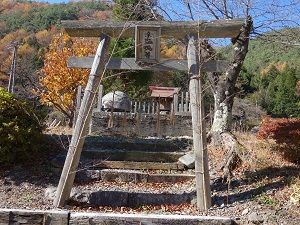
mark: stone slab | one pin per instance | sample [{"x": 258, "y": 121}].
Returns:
[
  {"x": 140, "y": 219},
  {"x": 170, "y": 178},
  {"x": 57, "y": 217},
  {"x": 124, "y": 176},
  {"x": 151, "y": 144},
  {"x": 129, "y": 199},
  {"x": 33, "y": 217},
  {"x": 188, "y": 160},
  {"x": 134, "y": 176},
  {"x": 137, "y": 156}
]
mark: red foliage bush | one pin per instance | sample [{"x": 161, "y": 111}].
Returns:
[{"x": 286, "y": 133}]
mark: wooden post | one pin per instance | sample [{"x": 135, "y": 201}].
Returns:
[
  {"x": 149, "y": 107},
  {"x": 78, "y": 103},
  {"x": 199, "y": 131},
  {"x": 186, "y": 105},
  {"x": 153, "y": 106},
  {"x": 12, "y": 74},
  {"x": 98, "y": 107},
  {"x": 175, "y": 103},
  {"x": 135, "y": 107},
  {"x": 181, "y": 103},
  {"x": 131, "y": 106},
  {"x": 144, "y": 107},
  {"x": 211, "y": 115},
  {"x": 99, "y": 99},
  {"x": 158, "y": 119},
  {"x": 81, "y": 128}
]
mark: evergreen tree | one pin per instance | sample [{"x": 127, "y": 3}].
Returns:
[
  {"x": 279, "y": 93},
  {"x": 285, "y": 96},
  {"x": 134, "y": 10}
]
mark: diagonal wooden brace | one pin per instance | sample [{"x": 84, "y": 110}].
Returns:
[{"x": 81, "y": 127}]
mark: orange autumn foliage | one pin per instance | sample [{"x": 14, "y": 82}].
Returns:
[
  {"x": 175, "y": 51},
  {"x": 6, "y": 51},
  {"x": 280, "y": 66},
  {"x": 60, "y": 82},
  {"x": 286, "y": 133}
]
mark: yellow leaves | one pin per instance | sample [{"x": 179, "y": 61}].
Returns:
[
  {"x": 298, "y": 88},
  {"x": 295, "y": 189},
  {"x": 60, "y": 82},
  {"x": 295, "y": 196},
  {"x": 26, "y": 49},
  {"x": 66, "y": 38},
  {"x": 44, "y": 37},
  {"x": 173, "y": 52},
  {"x": 280, "y": 66},
  {"x": 8, "y": 5},
  {"x": 102, "y": 15},
  {"x": 12, "y": 36},
  {"x": 6, "y": 47}
]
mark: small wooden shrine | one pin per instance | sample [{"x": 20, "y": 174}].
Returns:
[{"x": 164, "y": 96}]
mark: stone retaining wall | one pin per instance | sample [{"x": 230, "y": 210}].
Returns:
[
  {"x": 33, "y": 217},
  {"x": 55, "y": 217},
  {"x": 141, "y": 125}
]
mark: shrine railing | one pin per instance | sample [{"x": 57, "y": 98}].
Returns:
[{"x": 179, "y": 106}]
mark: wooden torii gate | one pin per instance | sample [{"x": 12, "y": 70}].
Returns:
[{"x": 147, "y": 35}]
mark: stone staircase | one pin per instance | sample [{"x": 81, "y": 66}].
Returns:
[
  {"x": 118, "y": 171},
  {"x": 139, "y": 154}
]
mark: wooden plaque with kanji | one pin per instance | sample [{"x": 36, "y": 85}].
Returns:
[{"x": 147, "y": 44}]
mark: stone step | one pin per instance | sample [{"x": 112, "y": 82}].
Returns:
[
  {"x": 139, "y": 144},
  {"x": 61, "y": 217},
  {"x": 84, "y": 218},
  {"x": 129, "y": 199},
  {"x": 117, "y": 175},
  {"x": 138, "y": 165},
  {"x": 137, "y": 156}
]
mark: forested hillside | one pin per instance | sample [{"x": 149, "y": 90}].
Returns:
[
  {"x": 271, "y": 72},
  {"x": 32, "y": 25},
  {"x": 273, "y": 48}
]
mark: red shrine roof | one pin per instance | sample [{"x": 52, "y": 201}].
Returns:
[{"x": 163, "y": 92}]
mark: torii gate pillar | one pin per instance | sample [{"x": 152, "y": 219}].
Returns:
[{"x": 199, "y": 128}]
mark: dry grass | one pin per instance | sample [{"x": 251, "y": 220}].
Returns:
[
  {"x": 263, "y": 165},
  {"x": 59, "y": 130},
  {"x": 257, "y": 154},
  {"x": 261, "y": 154},
  {"x": 295, "y": 191}
]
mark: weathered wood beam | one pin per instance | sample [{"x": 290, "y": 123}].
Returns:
[
  {"x": 81, "y": 127},
  {"x": 164, "y": 65},
  {"x": 199, "y": 129},
  {"x": 179, "y": 30}
]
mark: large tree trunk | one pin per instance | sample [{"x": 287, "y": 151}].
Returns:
[{"x": 224, "y": 90}]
